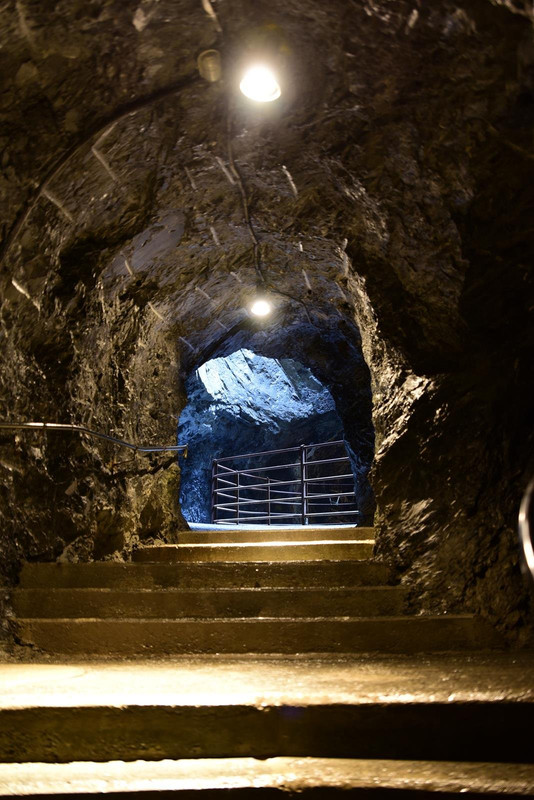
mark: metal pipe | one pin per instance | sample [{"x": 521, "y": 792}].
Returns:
[
  {"x": 525, "y": 532},
  {"x": 329, "y": 494},
  {"x": 56, "y": 426},
  {"x": 213, "y": 488},
  {"x": 328, "y": 460},
  {"x": 92, "y": 134},
  {"x": 327, "y": 477},
  {"x": 277, "y": 452},
  {"x": 264, "y": 469},
  {"x": 303, "y": 482},
  {"x": 289, "y": 501},
  {"x": 260, "y": 486},
  {"x": 257, "y": 519},
  {"x": 330, "y": 513}
]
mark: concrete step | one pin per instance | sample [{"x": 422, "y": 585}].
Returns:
[
  {"x": 177, "y": 603},
  {"x": 304, "y": 533},
  {"x": 116, "y": 575},
  {"x": 449, "y": 731},
  {"x": 263, "y": 551},
  {"x": 273, "y": 777},
  {"x": 468, "y": 707},
  {"x": 141, "y": 637}
]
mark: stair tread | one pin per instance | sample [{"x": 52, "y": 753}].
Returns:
[
  {"x": 471, "y": 708},
  {"x": 275, "y": 533},
  {"x": 260, "y": 681},
  {"x": 286, "y": 574},
  {"x": 244, "y": 601},
  {"x": 254, "y": 545},
  {"x": 208, "y": 527},
  {"x": 276, "y": 551},
  {"x": 421, "y": 619},
  {"x": 288, "y": 774},
  {"x": 319, "y": 590},
  {"x": 138, "y": 637}
]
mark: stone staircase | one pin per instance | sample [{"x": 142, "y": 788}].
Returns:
[
  {"x": 255, "y": 663},
  {"x": 267, "y": 591}
]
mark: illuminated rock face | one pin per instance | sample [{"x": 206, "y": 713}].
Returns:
[
  {"x": 246, "y": 403},
  {"x": 390, "y": 190}
]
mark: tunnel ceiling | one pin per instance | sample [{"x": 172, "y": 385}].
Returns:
[
  {"x": 397, "y": 131},
  {"x": 390, "y": 193}
]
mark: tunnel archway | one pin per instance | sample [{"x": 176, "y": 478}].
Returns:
[
  {"x": 327, "y": 355},
  {"x": 245, "y": 403}
]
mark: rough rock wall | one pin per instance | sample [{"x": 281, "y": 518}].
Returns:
[
  {"x": 450, "y": 368},
  {"x": 406, "y": 131}
]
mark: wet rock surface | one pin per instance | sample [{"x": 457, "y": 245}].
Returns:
[{"x": 405, "y": 234}]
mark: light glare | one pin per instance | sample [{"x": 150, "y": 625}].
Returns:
[
  {"x": 260, "y": 84},
  {"x": 260, "y": 308}
]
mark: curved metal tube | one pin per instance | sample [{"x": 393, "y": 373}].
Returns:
[
  {"x": 56, "y": 426},
  {"x": 96, "y": 129},
  {"x": 525, "y": 532}
]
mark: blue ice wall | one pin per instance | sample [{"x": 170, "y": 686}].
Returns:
[{"x": 248, "y": 403}]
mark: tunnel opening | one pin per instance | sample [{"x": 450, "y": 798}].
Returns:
[{"x": 244, "y": 403}]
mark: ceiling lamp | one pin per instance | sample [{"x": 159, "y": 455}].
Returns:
[
  {"x": 259, "y": 83},
  {"x": 261, "y": 307}
]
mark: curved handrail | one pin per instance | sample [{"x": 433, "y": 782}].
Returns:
[
  {"x": 56, "y": 426},
  {"x": 525, "y": 532}
]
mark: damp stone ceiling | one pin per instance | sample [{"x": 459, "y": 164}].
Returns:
[{"x": 385, "y": 201}]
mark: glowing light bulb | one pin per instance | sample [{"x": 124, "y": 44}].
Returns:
[
  {"x": 260, "y": 308},
  {"x": 260, "y": 84}
]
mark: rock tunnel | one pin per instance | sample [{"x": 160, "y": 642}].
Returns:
[{"x": 385, "y": 203}]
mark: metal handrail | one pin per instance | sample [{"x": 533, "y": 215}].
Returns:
[
  {"x": 277, "y": 452},
  {"x": 525, "y": 531},
  {"x": 181, "y": 449}
]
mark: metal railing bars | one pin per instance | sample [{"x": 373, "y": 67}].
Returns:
[
  {"x": 294, "y": 480},
  {"x": 270, "y": 496},
  {"x": 329, "y": 513},
  {"x": 270, "y": 469},
  {"x": 330, "y": 494},
  {"x": 255, "y": 502},
  {"x": 56, "y": 426},
  {"x": 325, "y": 461},
  {"x": 346, "y": 475},
  {"x": 285, "y": 450},
  {"x": 260, "y": 486}
]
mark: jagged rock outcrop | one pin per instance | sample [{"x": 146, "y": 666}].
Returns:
[{"x": 403, "y": 231}]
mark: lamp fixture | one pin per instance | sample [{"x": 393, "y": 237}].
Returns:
[
  {"x": 209, "y": 65},
  {"x": 261, "y": 307},
  {"x": 259, "y": 83}
]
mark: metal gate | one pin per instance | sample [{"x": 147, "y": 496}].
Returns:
[{"x": 312, "y": 483}]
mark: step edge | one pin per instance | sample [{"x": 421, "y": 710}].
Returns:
[
  {"x": 452, "y": 777},
  {"x": 332, "y": 590},
  {"x": 390, "y": 619}
]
